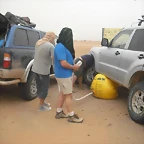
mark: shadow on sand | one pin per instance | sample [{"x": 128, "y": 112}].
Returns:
[{"x": 12, "y": 93}]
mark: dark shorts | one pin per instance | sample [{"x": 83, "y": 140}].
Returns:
[
  {"x": 80, "y": 71},
  {"x": 42, "y": 82}
]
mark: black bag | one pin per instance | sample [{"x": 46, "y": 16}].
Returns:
[
  {"x": 25, "y": 21},
  {"x": 12, "y": 18}
]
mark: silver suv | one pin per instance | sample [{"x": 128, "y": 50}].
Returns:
[{"x": 122, "y": 60}]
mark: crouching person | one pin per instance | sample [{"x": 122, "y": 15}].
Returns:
[{"x": 85, "y": 62}]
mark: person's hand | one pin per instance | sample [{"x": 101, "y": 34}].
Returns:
[{"x": 75, "y": 67}]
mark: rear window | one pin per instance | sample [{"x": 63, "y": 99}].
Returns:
[
  {"x": 20, "y": 38},
  {"x": 42, "y": 34},
  {"x": 33, "y": 37}
]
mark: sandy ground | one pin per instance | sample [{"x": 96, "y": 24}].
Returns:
[{"x": 106, "y": 121}]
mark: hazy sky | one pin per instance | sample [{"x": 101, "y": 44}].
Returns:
[{"x": 85, "y": 17}]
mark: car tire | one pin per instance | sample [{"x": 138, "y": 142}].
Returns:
[
  {"x": 136, "y": 103},
  {"x": 29, "y": 89},
  {"x": 89, "y": 76}
]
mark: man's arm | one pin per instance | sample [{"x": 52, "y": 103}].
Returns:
[
  {"x": 52, "y": 52},
  {"x": 61, "y": 55},
  {"x": 65, "y": 64}
]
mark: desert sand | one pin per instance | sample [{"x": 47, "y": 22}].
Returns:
[{"x": 105, "y": 121}]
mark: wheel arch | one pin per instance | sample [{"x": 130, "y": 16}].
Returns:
[
  {"x": 27, "y": 71},
  {"x": 95, "y": 51},
  {"x": 135, "y": 78}
]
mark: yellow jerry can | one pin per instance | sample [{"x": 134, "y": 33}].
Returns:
[{"x": 104, "y": 88}]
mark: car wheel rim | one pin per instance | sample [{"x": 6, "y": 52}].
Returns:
[
  {"x": 90, "y": 74},
  {"x": 33, "y": 87},
  {"x": 138, "y": 102}
]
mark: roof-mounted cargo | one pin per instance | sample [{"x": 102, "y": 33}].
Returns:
[{"x": 17, "y": 20}]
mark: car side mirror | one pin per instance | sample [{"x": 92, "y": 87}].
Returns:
[{"x": 105, "y": 42}]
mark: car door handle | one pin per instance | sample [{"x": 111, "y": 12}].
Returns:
[
  {"x": 141, "y": 56},
  {"x": 117, "y": 53}
]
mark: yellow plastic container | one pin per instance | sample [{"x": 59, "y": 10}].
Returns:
[{"x": 104, "y": 88}]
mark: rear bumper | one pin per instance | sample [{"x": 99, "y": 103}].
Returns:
[
  {"x": 10, "y": 77},
  {"x": 12, "y": 73},
  {"x": 9, "y": 82},
  {"x": 16, "y": 81}
]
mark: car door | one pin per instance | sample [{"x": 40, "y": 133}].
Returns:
[
  {"x": 132, "y": 56},
  {"x": 110, "y": 56}
]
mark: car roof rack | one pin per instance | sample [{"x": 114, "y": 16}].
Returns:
[
  {"x": 138, "y": 23},
  {"x": 141, "y": 20},
  {"x": 28, "y": 26},
  {"x": 21, "y": 25}
]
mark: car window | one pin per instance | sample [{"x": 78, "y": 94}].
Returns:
[
  {"x": 2, "y": 36},
  {"x": 42, "y": 34},
  {"x": 121, "y": 39},
  {"x": 20, "y": 38},
  {"x": 33, "y": 37},
  {"x": 137, "y": 42}
]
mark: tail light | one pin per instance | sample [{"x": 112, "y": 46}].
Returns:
[{"x": 7, "y": 60}]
